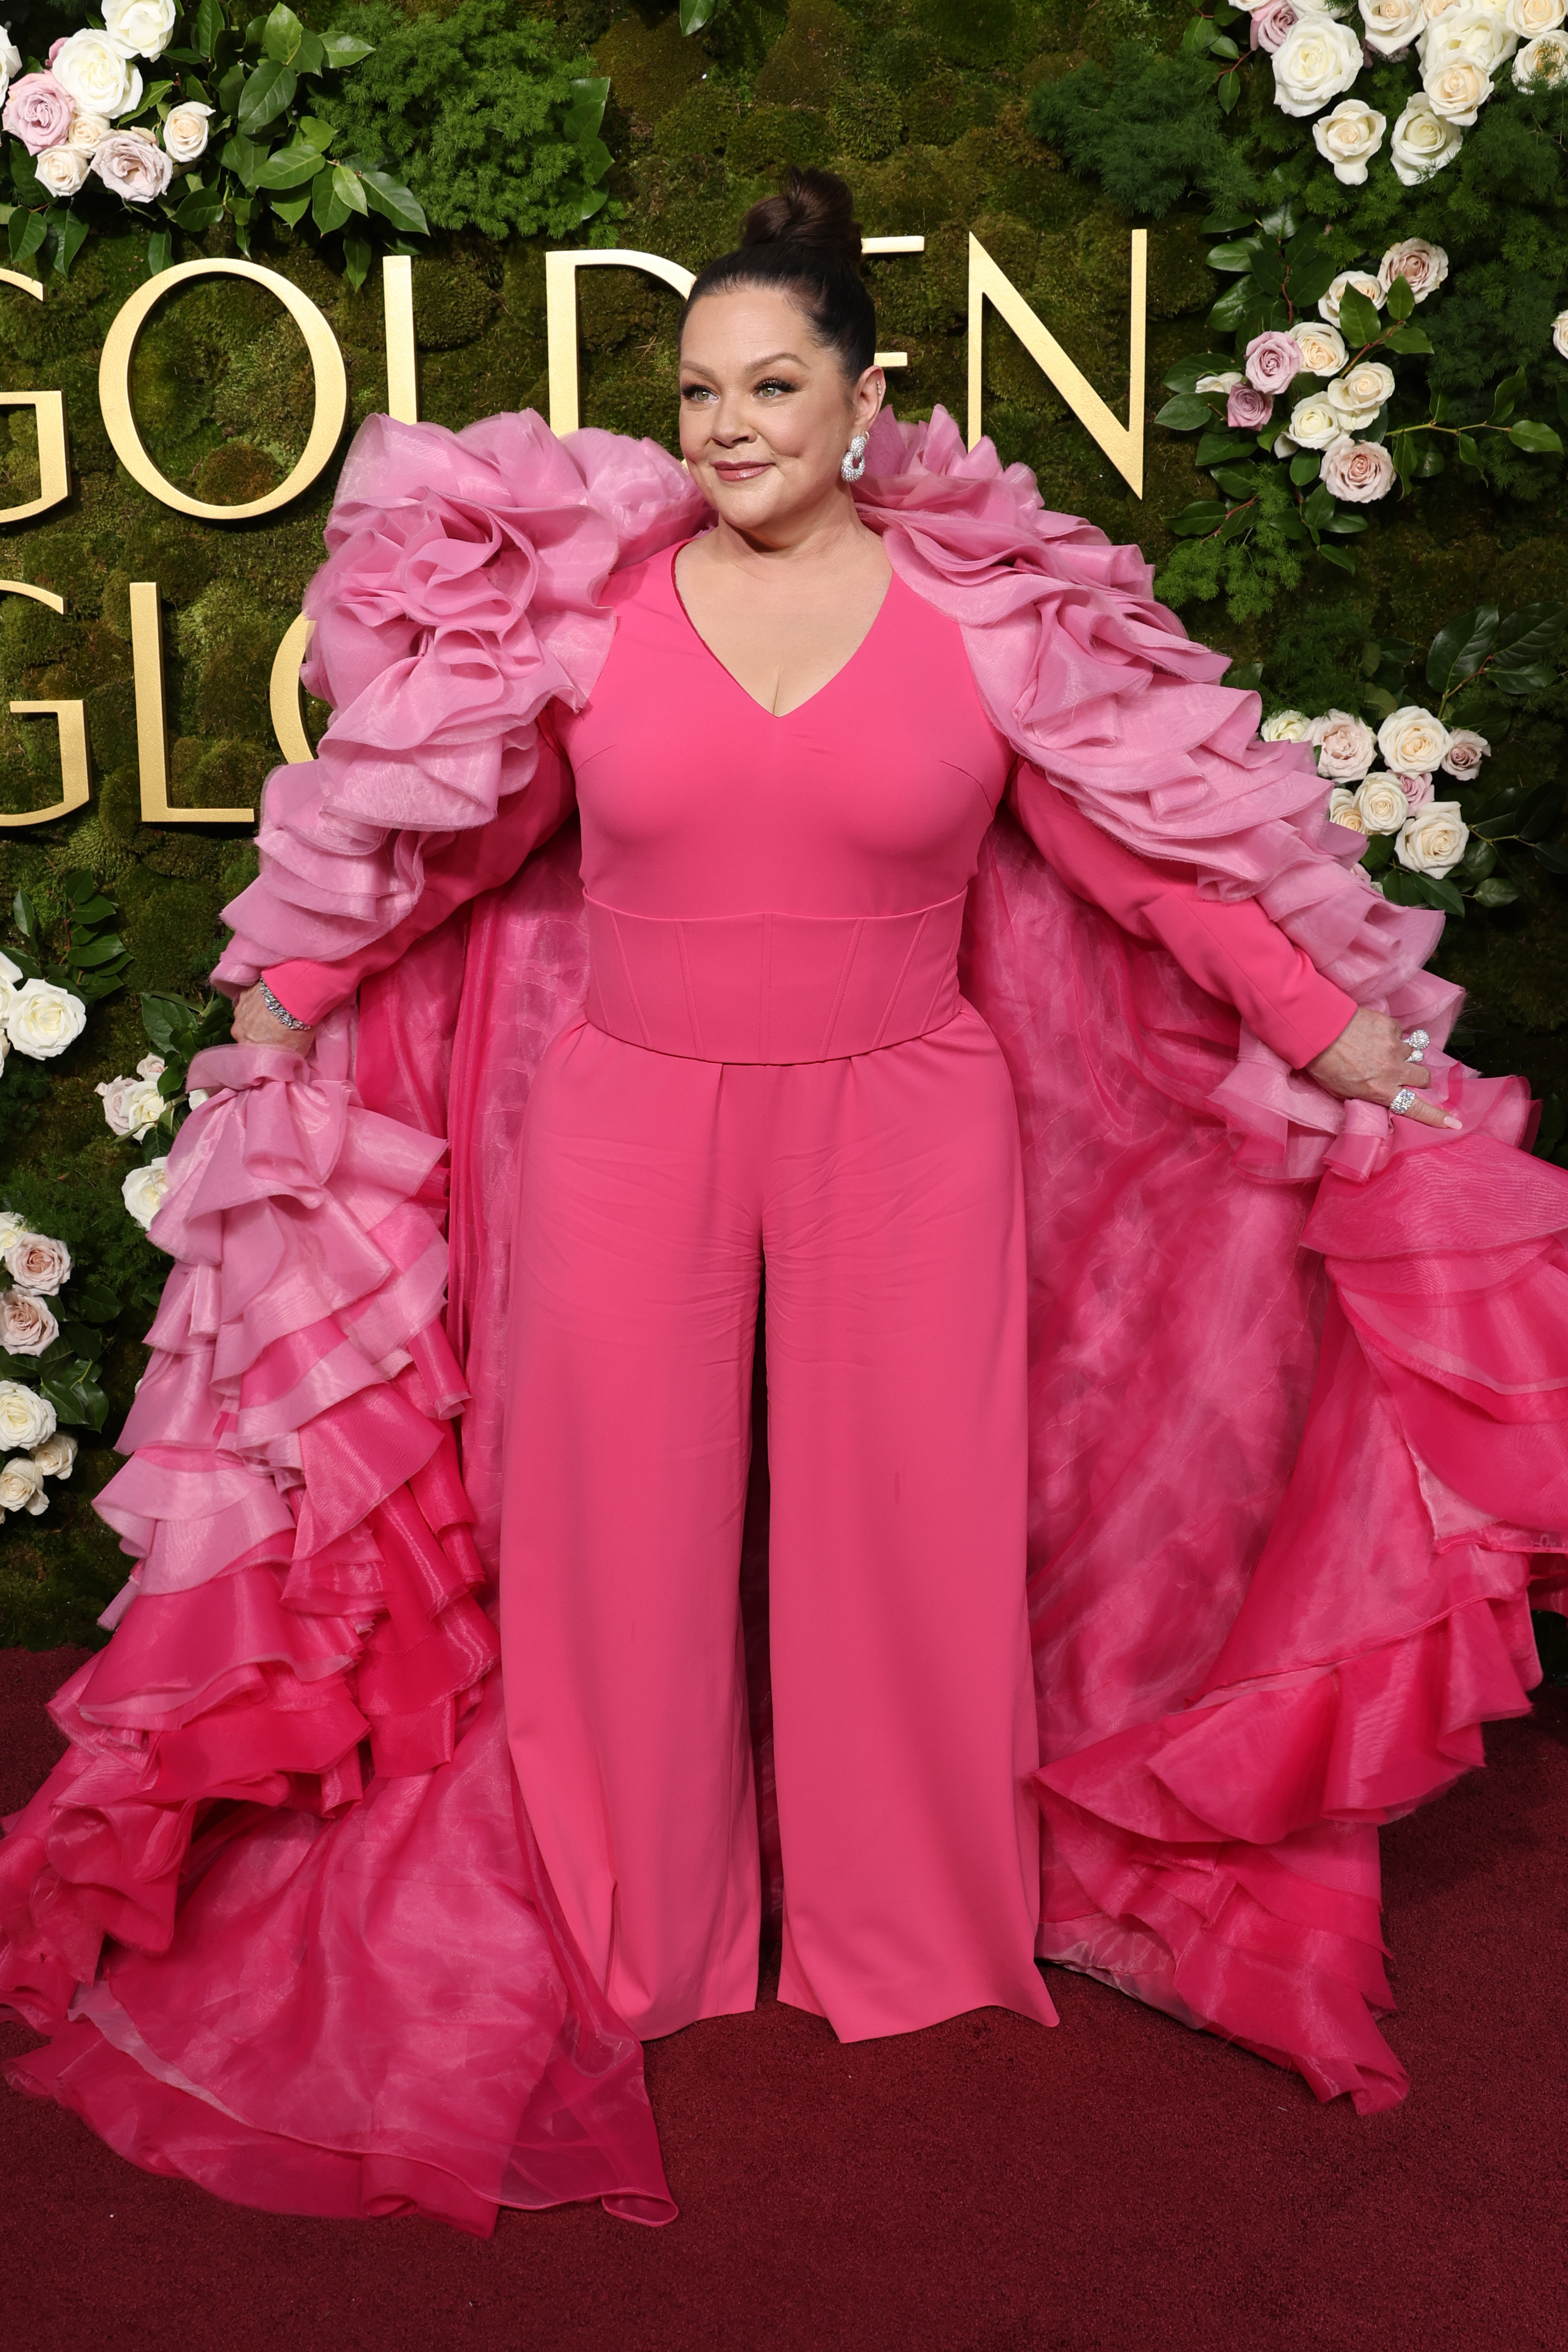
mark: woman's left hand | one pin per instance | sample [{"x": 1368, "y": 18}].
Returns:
[{"x": 1370, "y": 1061}]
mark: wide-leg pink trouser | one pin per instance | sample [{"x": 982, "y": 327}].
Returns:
[{"x": 882, "y": 1192}]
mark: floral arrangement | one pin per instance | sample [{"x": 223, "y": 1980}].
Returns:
[
  {"x": 1423, "y": 849},
  {"x": 64, "y": 1356},
  {"x": 223, "y": 125},
  {"x": 43, "y": 1005},
  {"x": 150, "y": 1108}
]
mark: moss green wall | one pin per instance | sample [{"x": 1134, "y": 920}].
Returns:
[{"x": 922, "y": 103}]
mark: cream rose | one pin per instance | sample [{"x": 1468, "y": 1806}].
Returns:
[
  {"x": 1356, "y": 396},
  {"x": 186, "y": 131},
  {"x": 1349, "y": 137},
  {"x": 1457, "y": 89},
  {"x": 1286, "y": 727},
  {"x": 61, "y": 170},
  {"x": 1313, "y": 424},
  {"x": 85, "y": 132},
  {"x": 42, "y": 1020},
  {"x": 1390, "y": 26},
  {"x": 10, "y": 58},
  {"x": 11, "y": 1227},
  {"x": 1544, "y": 59},
  {"x": 96, "y": 72},
  {"x": 1322, "y": 347},
  {"x": 1359, "y": 281},
  {"x": 1479, "y": 33},
  {"x": 133, "y": 167},
  {"x": 1342, "y": 810},
  {"x": 1383, "y": 805},
  {"x": 1529, "y": 17},
  {"x": 35, "y": 1262},
  {"x": 1423, "y": 142},
  {"x": 116, "y": 1093},
  {"x": 144, "y": 1190},
  {"x": 1560, "y": 334},
  {"x": 1433, "y": 840},
  {"x": 1464, "y": 754},
  {"x": 26, "y": 1418},
  {"x": 142, "y": 1107},
  {"x": 26, "y": 1326},
  {"x": 55, "y": 1456},
  {"x": 1422, "y": 266},
  {"x": 1317, "y": 60},
  {"x": 144, "y": 27},
  {"x": 1345, "y": 746},
  {"x": 1227, "y": 383},
  {"x": 1412, "y": 742},
  {"x": 21, "y": 1485}
]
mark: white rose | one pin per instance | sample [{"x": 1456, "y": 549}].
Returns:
[
  {"x": 25, "y": 1417},
  {"x": 35, "y": 1262},
  {"x": 1349, "y": 137},
  {"x": 56, "y": 1454},
  {"x": 1433, "y": 840},
  {"x": 142, "y": 27},
  {"x": 1286, "y": 727},
  {"x": 1342, "y": 810},
  {"x": 1356, "y": 396},
  {"x": 1529, "y": 17},
  {"x": 11, "y": 1227},
  {"x": 144, "y": 1190},
  {"x": 186, "y": 131},
  {"x": 1227, "y": 383},
  {"x": 86, "y": 131},
  {"x": 1412, "y": 742},
  {"x": 141, "y": 1108},
  {"x": 1422, "y": 266},
  {"x": 1543, "y": 59},
  {"x": 43, "y": 1020},
  {"x": 1383, "y": 805},
  {"x": 1313, "y": 424},
  {"x": 10, "y": 58},
  {"x": 26, "y": 1326},
  {"x": 10, "y": 973},
  {"x": 1328, "y": 307},
  {"x": 1479, "y": 33},
  {"x": 1390, "y": 26},
  {"x": 1345, "y": 746},
  {"x": 21, "y": 1483},
  {"x": 151, "y": 1065},
  {"x": 116, "y": 1094},
  {"x": 1464, "y": 754},
  {"x": 1317, "y": 60},
  {"x": 62, "y": 169},
  {"x": 197, "y": 1096},
  {"x": 1457, "y": 89},
  {"x": 1423, "y": 142},
  {"x": 96, "y": 72},
  {"x": 1323, "y": 349}
]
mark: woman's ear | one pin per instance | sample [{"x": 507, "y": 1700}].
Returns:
[{"x": 869, "y": 395}]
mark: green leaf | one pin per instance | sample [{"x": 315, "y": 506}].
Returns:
[
  {"x": 1186, "y": 413},
  {"x": 69, "y": 242},
  {"x": 1496, "y": 891},
  {"x": 310, "y": 56},
  {"x": 695, "y": 14},
  {"x": 346, "y": 49},
  {"x": 291, "y": 209},
  {"x": 1238, "y": 522},
  {"x": 288, "y": 167},
  {"x": 398, "y": 203},
  {"x": 95, "y": 1302},
  {"x": 358, "y": 254},
  {"x": 1233, "y": 305},
  {"x": 1222, "y": 225},
  {"x": 268, "y": 92},
  {"x": 1359, "y": 321},
  {"x": 230, "y": 87},
  {"x": 346, "y": 187},
  {"x": 1554, "y": 860},
  {"x": 315, "y": 132},
  {"x": 1319, "y": 507},
  {"x": 1506, "y": 394},
  {"x": 1409, "y": 338},
  {"x": 1340, "y": 557},
  {"x": 1345, "y": 526},
  {"x": 1541, "y": 813},
  {"x": 1470, "y": 455},
  {"x": 75, "y": 1393},
  {"x": 1401, "y": 300},
  {"x": 1244, "y": 677},
  {"x": 1310, "y": 280},
  {"x": 1378, "y": 852},
  {"x": 1197, "y": 520},
  {"x": 1233, "y": 256},
  {"x": 169, "y": 1023},
  {"x": 98, "y": 951},
  {"x": 1439, "y": 892},
  {"x": 244, "y": 158},
  {"x": 1538, "y": 440},
  {"x": 1459, "y": 649},
  {"x": 1228, "y": 91},
  {"x": 281, "y": 35},
  {"x": 200, "y": 210},
  {"x": 160, "y": 252},
  {"x": 328, "y": 209},
  {"x": 26, "y": 232},
  {"x": 1305, "y": 468},
  {"x": 1224, "y": 48},
  {"x": 1219, "y": 448},
  {"x": 1239, "y": 481},
  {"x": 210, "y": 23},
  {"x": 1526, "y": 640}
]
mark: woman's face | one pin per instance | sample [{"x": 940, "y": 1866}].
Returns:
[{"x": 766, "y": 410}]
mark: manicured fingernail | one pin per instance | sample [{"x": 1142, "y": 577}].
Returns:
[{"x": 1450, "y": 1120}]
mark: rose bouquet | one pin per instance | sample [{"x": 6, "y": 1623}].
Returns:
[
  {"x": 69, "y": 958},
  {"x": 189, "y": 116},
  {"x": 150, "y": 1107}
]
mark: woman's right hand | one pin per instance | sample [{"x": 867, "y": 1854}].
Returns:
[{"x": 254, "y": 1025}]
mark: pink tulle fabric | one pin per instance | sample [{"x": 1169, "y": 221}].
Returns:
[{"x": 1299, "y": 1373}]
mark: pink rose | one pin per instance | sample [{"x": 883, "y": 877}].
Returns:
[
  {"x": 1247, "y": 408},
  {"x": 35, "y": 1262},
  {"x": 1357, "y": 471},
  {"x": 1417, "y": 789},
  {"x": 131, "y": 166},
  {"x": 37, "y": 112},
  {"x": 26, "y": 1326},
  {"x": 1271, "y": 25},
  {"x": 1272, "y": 361},
  {"x": 1464, "y": 754}
]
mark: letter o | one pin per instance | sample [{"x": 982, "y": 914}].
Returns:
[{"x": 326, "y": 367}]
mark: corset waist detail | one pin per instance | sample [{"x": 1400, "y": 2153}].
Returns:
[{"x": 773, "y": 988}]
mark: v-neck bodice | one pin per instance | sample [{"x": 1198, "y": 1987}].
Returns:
[
  {"x": 847, "y": 662},
  {"x": 870, "y": 798}
]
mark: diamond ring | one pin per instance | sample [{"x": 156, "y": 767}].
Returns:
[
  {"x": 1416, "y": 1040},
  {"x": 1404, "y": 1101}
]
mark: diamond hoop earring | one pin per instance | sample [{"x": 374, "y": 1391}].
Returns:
[{"x": 853, "y": 464}]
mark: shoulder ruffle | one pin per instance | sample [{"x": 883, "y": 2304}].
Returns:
[
  {"x": 460, "y": 595},
  {"x": 1099, "y": 687}
]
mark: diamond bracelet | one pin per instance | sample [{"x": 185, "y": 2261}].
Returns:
[{"x": 281, "y": 1011}]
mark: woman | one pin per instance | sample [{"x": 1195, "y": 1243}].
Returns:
[{"x": 787, "y": 705}]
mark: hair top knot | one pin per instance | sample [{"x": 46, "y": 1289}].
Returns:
[
  {"x": 806, "y": 242},
  {"x": 815, "y": 210}
]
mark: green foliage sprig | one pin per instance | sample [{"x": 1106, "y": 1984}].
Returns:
[
  {"x": 179, "y": 1032},
  {"x": 75, "y": 949}
]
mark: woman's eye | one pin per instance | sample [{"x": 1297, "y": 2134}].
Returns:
[
  {"x": 696, "y": 392},
  {"x": 774, "y": 384}
]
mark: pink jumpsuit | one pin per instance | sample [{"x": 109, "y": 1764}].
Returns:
[{"x": 776, "y": 1073}]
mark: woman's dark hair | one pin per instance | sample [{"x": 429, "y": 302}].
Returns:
[{"x": 807, "y": 242}]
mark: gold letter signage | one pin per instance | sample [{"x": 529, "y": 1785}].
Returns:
[
  {"x": 120, "y": 423},
  {"x": 49, "y": 409},
  {"x": 151, "y": 731},
  {"x": 72, "y": 726},
  {"x": 1122, "y": 443}
]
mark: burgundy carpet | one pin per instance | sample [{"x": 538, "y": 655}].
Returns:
[{"x": 1120, "y": 2184}]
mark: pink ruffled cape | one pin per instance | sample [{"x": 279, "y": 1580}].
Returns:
[{"x": 1298, "y": 1380}]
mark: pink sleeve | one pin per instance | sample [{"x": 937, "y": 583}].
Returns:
[
  {"x": 1231, "y": 947},
  {"x": 472, "y": 862}
]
